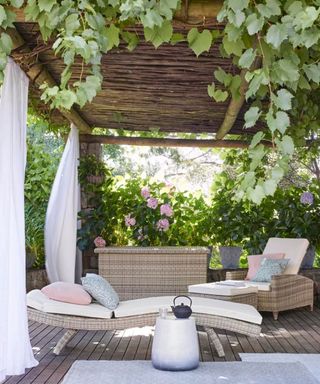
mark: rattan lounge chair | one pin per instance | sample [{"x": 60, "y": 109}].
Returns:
[
  {"x": 209, "y": 313},
  {"x": 287, "y": 291},
  {"x": 139, "y": 273}
]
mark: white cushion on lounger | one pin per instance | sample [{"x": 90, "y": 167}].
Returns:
[
  {"x": 37, "y": 300},
  {"x": 260, "y": 285},
  {"x": 228, "y": 309},
  {"x": 222, "y": 289}
]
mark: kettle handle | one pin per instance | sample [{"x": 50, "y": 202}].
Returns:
[{"x": 189, "y": 298}]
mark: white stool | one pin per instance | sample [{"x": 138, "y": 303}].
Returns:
[{"x": 175, "y": 344}]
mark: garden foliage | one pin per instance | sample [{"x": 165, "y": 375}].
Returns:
[{"x": 124, "y": 216}]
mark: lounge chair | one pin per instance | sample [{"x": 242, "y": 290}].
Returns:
[
  {"x": 287, "y": 291},
  {"x": 139, "y": 274},
  {"x": 209, "y": 313}
]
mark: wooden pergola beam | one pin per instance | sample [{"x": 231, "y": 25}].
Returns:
[
  {"x": 39, "y": 75},
  {"x": 160, "y": 142}
]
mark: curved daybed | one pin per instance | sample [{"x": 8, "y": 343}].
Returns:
[{"x": 209, "y": 313}]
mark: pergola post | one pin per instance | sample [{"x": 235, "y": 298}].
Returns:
[{"x": 89, "y": 259}]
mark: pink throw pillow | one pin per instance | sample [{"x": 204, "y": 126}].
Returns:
[
  {"x": 67, "y": 292},
  {"x": 254, "y": 262}
]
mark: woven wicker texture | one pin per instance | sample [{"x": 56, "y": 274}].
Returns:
[{"x": 137, "y": 272}]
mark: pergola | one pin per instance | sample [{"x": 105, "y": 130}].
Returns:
[{"x": 163, "y": 90}]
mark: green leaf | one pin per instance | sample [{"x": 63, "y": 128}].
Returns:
[
  {"x": 238, "y": 5},
  {"x": 286, "y": 71},
  {"x": 287, "y": 145},
  {"x": 72, "y": 23},
  {"x": 151, "y": 19},
  {"x": 251, "y": 117},
  {"x": 217, "y": 94},
  {"x": 112, "y": 34},
  {"x": 247, "y": 58},
  {"x": 166, "y": 8},
  {"x": 199, "y": 42},
  {"x": 271, "y": 8},
  {"x": 280, "y": 122},
  {"x": 96, "y": 21},
  {"x": 46, "y": 5},
  {"x": 277, "y": 173},
  {"x": 254, "y": 24},
  {"x": 159, "y": 35},
  {"x": 283, "y": 99},
  {"x": 3, "y": 15},
  {"x": 276, "y": 34},
  {"x": 312, "y": 72},
  {"x": 6, "y": 43},
  {"x": 269, "y": 187},
  {"x": 17, "y": 3},
  {"x": 233, "y": 47},
  {"x": 237, "y": 18},
  {"x": 256, "y": 139},
  {"x": 223, "y": 77},
  {"x": 131, "y": 39},
  {"x": 257, "y": 194}
]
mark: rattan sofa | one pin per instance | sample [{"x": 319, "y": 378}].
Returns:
[
  {"x": 287, "y": 291},
  {"x": 139, "y": 275}
]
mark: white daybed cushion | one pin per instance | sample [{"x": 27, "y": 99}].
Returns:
[
  {"x": 294, "y": 250},
  {"x": 228, "y": 309},
  {"x": 223, "y": 290},
  {"x": 37, "y": 300}
]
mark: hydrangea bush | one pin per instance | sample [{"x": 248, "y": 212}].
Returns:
[{"x": 150, "y": 220}]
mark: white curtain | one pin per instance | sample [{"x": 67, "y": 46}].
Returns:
[
  {"x": 61, "y": 219},
  {"x": 15, "y": 349}
]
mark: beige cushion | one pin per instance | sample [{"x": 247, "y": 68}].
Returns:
[
  {"x": 221, "y": 290},
  {"x": 37, "y": 300},
  {"x": 294, "y": 250},
  {"x": 202, "y": 305}
]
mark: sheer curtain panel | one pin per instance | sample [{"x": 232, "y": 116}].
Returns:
[
  {"x": 15, "y": 350},
  {"x": 61, "y": 219}
]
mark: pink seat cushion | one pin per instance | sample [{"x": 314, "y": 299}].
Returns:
[
  {"x": 254, "y": 262},
  {"x": 67, "y": 292}
]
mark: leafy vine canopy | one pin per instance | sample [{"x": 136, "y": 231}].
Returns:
[{"x": 274, "y": 44}]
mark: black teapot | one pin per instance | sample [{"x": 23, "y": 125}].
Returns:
[{"x": 181, "y": 311}]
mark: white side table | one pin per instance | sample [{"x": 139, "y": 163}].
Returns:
[{"x": 175, "y": 344}]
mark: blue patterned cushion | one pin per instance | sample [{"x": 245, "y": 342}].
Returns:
[
  {"x": 100, "y": 290},
  {"x": 269, "y": 268}
]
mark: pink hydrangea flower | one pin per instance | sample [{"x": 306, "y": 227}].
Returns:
[
  {"x": 163, "y": 225},
  {"x": 166, "y": 210},
  {"x": 152, "y": 203},
  {"x": 145, "y": 193},
  {"x": 129, "y": 221},
  {"x": 99, "y": 242}
]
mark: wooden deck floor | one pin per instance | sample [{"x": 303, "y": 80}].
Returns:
[{"x": 295, "y": 332}]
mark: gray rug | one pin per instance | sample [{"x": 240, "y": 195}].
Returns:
[
  {"x": 309, "y": 360},
  {"x": 142, "y": 372}
]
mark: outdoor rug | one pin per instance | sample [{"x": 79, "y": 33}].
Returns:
[
  {"x": 309, "y": 360},
  {"x": 142, "y": 372}
]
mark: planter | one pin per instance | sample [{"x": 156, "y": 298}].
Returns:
[
  {"x": 137, "y": 272},
  {"x": 36, "y": 279},
  {"x": 309, "y": 257},
  {"x": 230, "y": 257}
]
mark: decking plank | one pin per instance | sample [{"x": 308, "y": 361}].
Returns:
[{"x": 295, "y": 332}]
